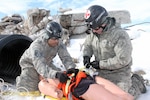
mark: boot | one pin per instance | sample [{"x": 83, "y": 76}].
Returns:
[
  {"x": 138, "y": 86},
  {"x": 135, "y": 91},
  {"x": 137, "y": 79}
]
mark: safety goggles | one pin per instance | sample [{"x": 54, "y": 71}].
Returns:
[
  {"x": 89, "y": 25},
  {"x": 103, "y": 27}
]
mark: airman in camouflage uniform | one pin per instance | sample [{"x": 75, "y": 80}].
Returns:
[
  {"x": 112, "y": 49},
  {"x": 37, "y": 60}
]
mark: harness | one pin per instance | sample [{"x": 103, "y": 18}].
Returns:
[{"x": 71, "y": 84}]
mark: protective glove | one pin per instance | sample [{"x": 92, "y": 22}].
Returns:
[
  {"x": 95, "y": 64},
  {"x": 62, "y": 77},
  {"x": 72, "y": 70},
  {"x": 86, "y": 61}
]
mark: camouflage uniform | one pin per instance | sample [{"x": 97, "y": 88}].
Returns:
[
  {"x": 37, "y": 60},
  {"x": 113, "y": 50}
]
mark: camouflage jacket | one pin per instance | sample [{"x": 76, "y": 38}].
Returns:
[
  {"x": 113, "y": 49},
  {"x": 40, "y": 55}
]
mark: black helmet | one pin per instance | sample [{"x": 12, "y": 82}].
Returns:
[
  {"x": 54, "y": 29},
  {"x": 95, "y": 16}
]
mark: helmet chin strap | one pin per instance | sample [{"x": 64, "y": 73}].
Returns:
[{"x": 110, "y": 21}]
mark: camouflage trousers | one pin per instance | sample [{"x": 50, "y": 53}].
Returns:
[{"x": 28, "y": 79}]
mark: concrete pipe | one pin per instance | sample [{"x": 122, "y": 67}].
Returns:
[{"x": 11, "y": 49}]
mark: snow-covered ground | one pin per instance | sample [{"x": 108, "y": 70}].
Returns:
[
  {"x": 141, "y": 55},
  {"x": 140, "y": 36}
]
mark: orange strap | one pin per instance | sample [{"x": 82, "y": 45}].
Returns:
[{"x": 74, "y": 82}]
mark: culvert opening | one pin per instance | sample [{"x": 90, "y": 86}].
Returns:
[{"x": 11, "y": 49}]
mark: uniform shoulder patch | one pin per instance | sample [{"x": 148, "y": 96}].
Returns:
[{"x": 37, "y": 53}]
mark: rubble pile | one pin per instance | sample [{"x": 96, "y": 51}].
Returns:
[
  {"x": 72, "y": 23},
  {"x": 12, "y": 24}
]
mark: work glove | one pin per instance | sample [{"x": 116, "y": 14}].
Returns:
[
  {"x": 62, "y": 77},
  {"x": 86, "y": 61},
  {"x": 72, "y": 70},
  {"x": 95, "y": 64}
]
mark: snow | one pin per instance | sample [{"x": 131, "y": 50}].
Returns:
[
  {"x": 141, "y": 55},
  {"x": 140, "y": 36},
  {"x": 141, "y": 52}
]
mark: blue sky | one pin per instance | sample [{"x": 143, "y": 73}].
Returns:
[{"x": 139, "y": 9}]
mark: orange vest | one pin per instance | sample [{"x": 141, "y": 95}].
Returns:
[{"x": 74, "y": 81}]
